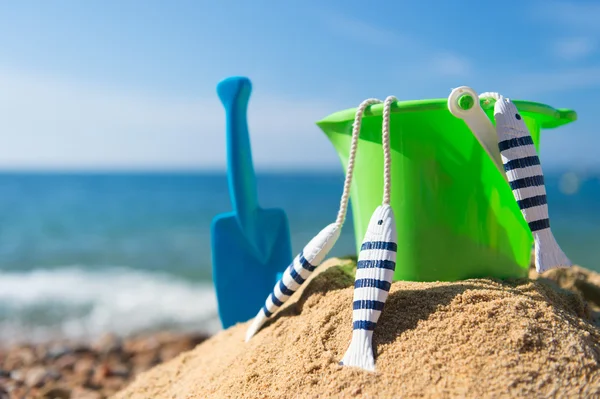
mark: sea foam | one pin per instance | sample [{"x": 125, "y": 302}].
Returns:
[{"x": 76, "y": 303}]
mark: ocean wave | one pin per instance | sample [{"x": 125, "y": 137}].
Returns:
[{"x": 77, "y": 303}]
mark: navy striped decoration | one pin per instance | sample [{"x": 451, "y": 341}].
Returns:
[
  {"x": 367, "y": 304},
  {"x": 380, "y": 263},
  {"x": 284, "y": 290},
  {"x": 539, "y": 225},
  {"x": 371, "y": 282},
  {"x": 532, "y": 181},
  {"x": 297, "y": 278},
  {"x": 275, "y": 301},
  {"x": 530, "y": 202},
  {"x": 364, "y": 325},
  {"x": 389, "y": 246},
  {"x": 514, "y": 142},
  {"x": 266, "y": 311},
  {"x": 522, "y": 163},
  {"x": 306, "y": 264}
]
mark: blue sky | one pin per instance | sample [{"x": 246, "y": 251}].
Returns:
[{"x": 131, "y": 84}]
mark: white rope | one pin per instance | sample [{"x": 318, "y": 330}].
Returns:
[
  {"x": 387, "y": 156},
  {"x": 490, "y": 95},
  {"x": 350, "y": 168}
]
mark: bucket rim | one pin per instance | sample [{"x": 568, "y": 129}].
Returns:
[{"x": 547, "y": 117}]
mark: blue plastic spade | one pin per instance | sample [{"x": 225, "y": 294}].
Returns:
[{"x": 250, "y": 245}]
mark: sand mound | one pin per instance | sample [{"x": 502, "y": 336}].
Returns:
[
  {"x": 584, "y": 282},
  {"x": 476, "y": 338}
]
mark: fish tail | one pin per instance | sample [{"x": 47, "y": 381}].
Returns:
[
  {"x": 360, "y": 351},
  {"x": 548, "y": 254},
  {"x": 257, "y": 323}
]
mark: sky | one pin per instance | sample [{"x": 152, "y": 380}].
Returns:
[{"x": 132, "y": 84}]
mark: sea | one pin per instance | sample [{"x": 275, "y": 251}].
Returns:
[{"x": 86, "y": 253}]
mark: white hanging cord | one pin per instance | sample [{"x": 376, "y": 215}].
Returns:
[
  {"x": 350, "y": 169},
  {"x": 387, "y": 156},
  {"x": 490, "y": 94}
]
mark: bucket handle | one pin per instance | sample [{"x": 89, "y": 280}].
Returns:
[{"x": 463, "y": 103}]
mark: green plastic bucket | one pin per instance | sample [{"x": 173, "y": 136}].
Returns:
[{"x": 456, "y": 216}]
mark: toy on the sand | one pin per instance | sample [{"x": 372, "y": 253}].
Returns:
[
  {"x": 510, "y": 143},
  {"x": 526, "y": 179},
  {"x": 456, "y": 215},
  {"x": 294, "y": 276},
  {"x": 374, "y": 269},
  {"x": 251, "y": 245},
  {"x": 315, "y": 251}
]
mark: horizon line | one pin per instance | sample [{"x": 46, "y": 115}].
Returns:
[{"x": 328, "y": 171}]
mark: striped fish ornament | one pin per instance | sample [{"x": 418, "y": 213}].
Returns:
[
  {"x": 317, "y": 249},
  {"x": 374, "y": 273},
  {"x": 296, "y": 273},
  {"x": 526, "y": 179}
]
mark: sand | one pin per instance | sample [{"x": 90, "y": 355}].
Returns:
[
  {"x": 477, "y": 338},
  {"x": 584, "y": 282}
]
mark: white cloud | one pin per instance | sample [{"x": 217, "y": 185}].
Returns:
[
  {"x": 422, "y": 55},
  {"x": 574, "y": 48},
  {"x": 51, "y": 123},
  {"x": 577, "y": 15},
  {"x": 528, "y": 84},
  {"x": 361, "y": 31},
  {"x": 579, "y": 21},
  {"x": 449, "y": 64}
]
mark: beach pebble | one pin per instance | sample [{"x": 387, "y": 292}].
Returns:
[
  {"x": 82, "y": 393},
  {"x": 143, "y": 361},
  {"x": 119, "y": 370},
  {"x": 8, "y": 384},
  {"x": 35, "y": 376},
  {"x": 84, "y": 367},
  {"x": 27, "y": 356},
  {"x": 17, "y": 375},
  {"x": 66, "y": 362},
  {"x": 143, "y": 344},
  {"x": 100, "y": 373},
  {"x": 20, "y": 393},
  {"x": 55, "y": 393},
  {"x": 108, "y": 343},
  {"x": 57, "y": 351},
  {"x": 52, "y": 374},
  {"x": 111, "y": 385},
  {"x": 19, "y": 357}
]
